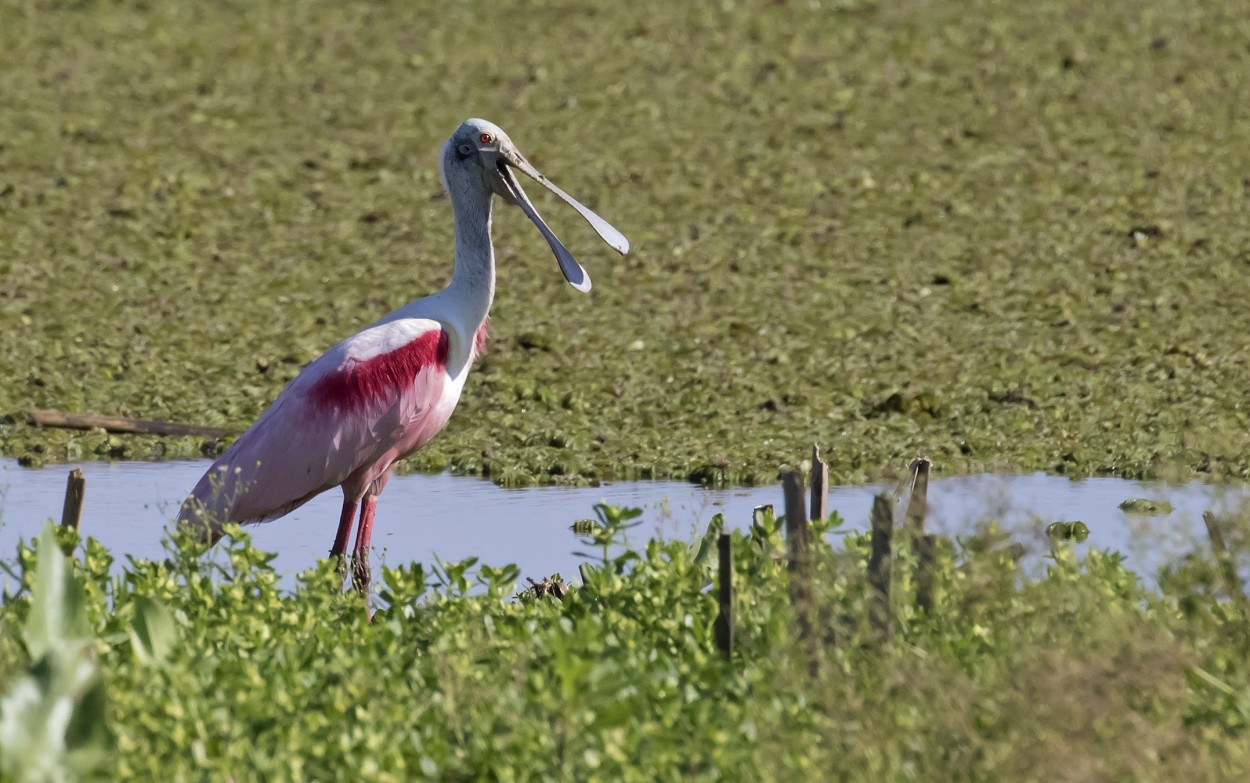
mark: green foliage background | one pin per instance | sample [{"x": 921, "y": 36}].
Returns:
[
  {"x": 213, "y": 672},
  {"x": 1009, "y": 234}
]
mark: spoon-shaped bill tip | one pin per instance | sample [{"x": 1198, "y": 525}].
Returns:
[
  {"x": 606, "y": 231},
  {"x": 573, "y": 272}
]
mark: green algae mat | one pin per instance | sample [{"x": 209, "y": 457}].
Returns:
[{"x": 1008, "y": 235}]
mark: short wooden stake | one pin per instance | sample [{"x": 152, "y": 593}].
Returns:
[
  {"x": 1228, "y": 569},
  {"x": 927, "y": 555},
  {"x": 725, "y": 620},
  {"x": 796, "y": 521},
  {"x": 917, "y": 504},
  {"x": 880, "y": 563},
  {"x": 799, "y": 564},
  {"x": 820, "y": 486},
  {"x": 71, "y": 513}
]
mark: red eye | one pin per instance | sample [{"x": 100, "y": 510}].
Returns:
[{"x": 486, "y": 138}]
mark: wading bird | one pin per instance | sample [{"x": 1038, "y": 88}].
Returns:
[{"x": 384, "y": 392}]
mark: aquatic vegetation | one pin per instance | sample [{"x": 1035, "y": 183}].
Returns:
[
  {"x": 1068, "y": 531},
  {"x": 1006, "y": 235},
  {"x": 1079, "y": 674},
  {"x": 1145, "y": 506}
]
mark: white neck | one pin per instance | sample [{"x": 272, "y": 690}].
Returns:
[{"x": 473, "y": 283}]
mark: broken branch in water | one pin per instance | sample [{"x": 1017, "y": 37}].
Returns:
[{"x": 89, "y": 421}]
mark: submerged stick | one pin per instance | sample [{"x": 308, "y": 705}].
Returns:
[
  {"x": 121, "y": 424},
  {"x": 880, "y": 564},
  {"x": 820, "y": 486},
  {"x": 71, "y": 513},
  {"x": 725, "y": 619}
]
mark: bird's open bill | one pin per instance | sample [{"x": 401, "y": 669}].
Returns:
[{"x": 572, "y": 270}]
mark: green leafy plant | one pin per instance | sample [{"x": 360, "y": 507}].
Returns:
[
  {"x": 52, "y": 717},
  {"x": 606, "y": 530},
  {"x": 1067, "y": 531},
  {"x": 1008, "y": 676}
]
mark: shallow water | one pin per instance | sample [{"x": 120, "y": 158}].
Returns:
[{"x": 129, "y": 504}]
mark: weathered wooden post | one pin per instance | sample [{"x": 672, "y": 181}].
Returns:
[
  {"x": 820, "y": 486},
  {"x": 71, "y": 513},
  {"x": 880, "y": 564},
  {"x": 796, "y": 521},
  {"x": 761, "y": 513},
  {"x": 799, "y": 564},
  {"x": 725, "y": 620},
  {"x": 926, "y": 556},
  {"x": 913, "y": 530},
  {"x": 800, "y": 568},
  {"x": 913, "y": 520}
]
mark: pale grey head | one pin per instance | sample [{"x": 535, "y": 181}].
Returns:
[{"x": 480, "y": 149}]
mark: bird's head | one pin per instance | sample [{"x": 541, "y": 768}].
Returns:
[{"x": 480, "y": 151}]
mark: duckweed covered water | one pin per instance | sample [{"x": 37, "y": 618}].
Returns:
[{"x": 1010, "y": 236}]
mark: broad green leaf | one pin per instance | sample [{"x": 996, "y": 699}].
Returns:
[
  {"x": 152, "y": 632},
  {"x": 57, "y": 614},
  {"x": 20, "y": 713},
  {"x": 705, "y": 550},
  {"x": 52, "y": 719}
]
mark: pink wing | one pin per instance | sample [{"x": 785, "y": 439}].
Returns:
[{"x": 365, "y": 403}]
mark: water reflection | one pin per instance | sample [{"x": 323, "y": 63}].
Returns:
[{"x": 129, "y": 504}]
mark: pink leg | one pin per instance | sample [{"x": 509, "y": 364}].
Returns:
[
  {"x": 345, "y": 528},
  {"x": 360, "y": 557}
]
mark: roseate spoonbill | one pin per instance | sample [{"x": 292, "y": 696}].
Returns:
[{"x": 384, "y": 392}]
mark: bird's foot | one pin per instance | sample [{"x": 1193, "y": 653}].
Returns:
[{"x": 361, "y": 578}]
